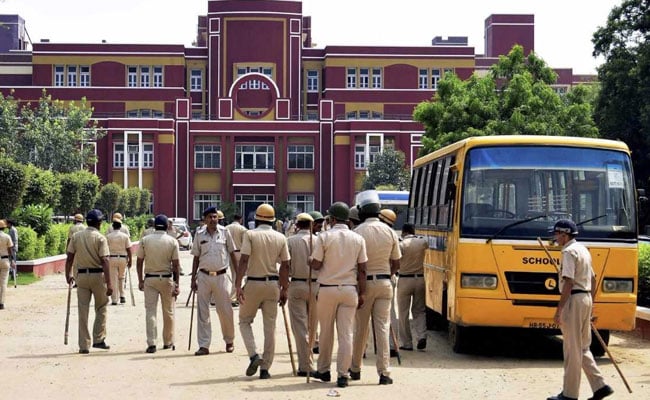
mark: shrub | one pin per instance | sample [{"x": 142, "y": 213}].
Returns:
[
  {"x": 643, "y": 295},
  {"x": 37, "y": 216},
  {"x": 52, "y": 241},
  {"x": 28, "y": 243},
  {"x": 137, "y": 225},
  {"x": 62, "y": 230}
]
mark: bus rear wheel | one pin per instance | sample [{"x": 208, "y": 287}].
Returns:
[
  {"x": 596, "y": 348},
  {"x": 458, "y": 338}
]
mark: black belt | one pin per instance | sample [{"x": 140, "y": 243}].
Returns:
[
  {"x": 263, "y": 278},
  {"x": 302, "y": 279},
  {"x": 343, "y": 284},
  {"x": 214, "y": 273},
  {"x": 4, "y": 256},
  {"x": 378, "y": 276},
  {"x": 157, "y": 275},
  {"x": 576, "y": 291},
  {"x": 411, "y": 275},
  {"x": 236, "y": 251},
  {"x": 118, "y": 255},
  {"x": 89, "y": 270}
]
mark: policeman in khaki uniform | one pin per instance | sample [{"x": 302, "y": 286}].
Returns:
[
  {"x": 261, "y": 248},
  {"x": 213, "y": 252},
  {"x": 382, "y": 246},
  {"x": 303, "y": 319},
  {"x": 410, "y": 289},
  {"x": 236, "y": 230},
  {"x": 340, "y": 257},
  {"x": 76, "y": 227},
  {"x": 577, "y": 287},
  {"x": 150, "y": 229},
  {"x": 388, "y": 216},
  {"x": 123, "y": 228},
  {"x": 158, "y": 275},
  {"x": 88, "y": 252},
  {"x": 119, "y": 245},
  {"x": 7, "y": 261}
]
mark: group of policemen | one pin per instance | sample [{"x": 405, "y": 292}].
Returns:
[{"x": 335, "y": 271}]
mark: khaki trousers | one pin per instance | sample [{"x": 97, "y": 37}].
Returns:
[
  {"x": 576, "y": 336},
  {"x": 4, "y": 278},
  {"x": 153, "y": 288},
  {"x": 91, "y": 285},
  {"x": 215, "y": 288},
  {"x": 379, "y": 294},
  {"x": 298, "y": 304},
  {"x": 233, "y": 275},
  {"x": 410, "y": 294},
  {"x": 264, "y": 295},
  {"x": 117, "y": 268},
  {"x": 336, "y": 304}
]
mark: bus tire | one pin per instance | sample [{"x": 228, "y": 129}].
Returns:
[
  {"x": 596, "y": 349},
  {"x": 458, "y": 338}
]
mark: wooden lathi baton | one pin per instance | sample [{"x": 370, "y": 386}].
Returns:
[{"x": 593, "y": 328}]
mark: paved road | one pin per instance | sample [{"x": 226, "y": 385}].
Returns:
[{"x": 36, "y": 365}]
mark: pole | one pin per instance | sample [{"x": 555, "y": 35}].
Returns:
[
  {"x": 67, "y": 316},
  {"x": 189, "y": 341},
  {"x": 131, "y": 286},
  {"x": 286, "y": 328},
  {"x": 310, "y": 333},
  {"x": 593, "y": 328},
  {"x": 13, "y": 272}
]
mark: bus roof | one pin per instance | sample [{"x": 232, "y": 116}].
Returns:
[
  {"x": 541, "y": 140},
  {"x": 393, "y": 197}
]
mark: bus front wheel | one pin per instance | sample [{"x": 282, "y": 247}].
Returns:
[
  {"x": 458, "y": 337},
  {"x": 596, "y": 348}
]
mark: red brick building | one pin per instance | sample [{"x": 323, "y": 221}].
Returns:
[{"x": 253, "y": 113}]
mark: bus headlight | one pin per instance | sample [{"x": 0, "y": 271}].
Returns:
[
  {"x": 478, "y": 281},
  {"x": 617, "y": 285}
]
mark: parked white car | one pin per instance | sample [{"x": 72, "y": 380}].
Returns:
[{"x": 183, "y": 233}]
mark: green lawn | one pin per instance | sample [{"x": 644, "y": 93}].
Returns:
[{"x": 23, "y": 278}]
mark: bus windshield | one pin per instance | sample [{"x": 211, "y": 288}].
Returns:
[{"x": 503, "y": 184}]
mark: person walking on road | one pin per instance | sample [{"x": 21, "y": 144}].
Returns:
[
  {"x": 410, "y": 289},
  {"x": 158, "y": 277},
  {"x": 340, "y": 257},
  {"x": 7, "y": 261},
  {"x": 88, "y": 251},
  {"x": 236, "y": 230},
  {"x": 265, "y": 286},
  {"x": 119, "y": 245},
  {"x": 213, "y": 252},
  {"x": 577, "y": 288},
  {"x": 13, "y": 234},
  {"x": 123, "y": 227},
  {"x": 77, "y": 226},
  {"x": 382, "y": 246}
]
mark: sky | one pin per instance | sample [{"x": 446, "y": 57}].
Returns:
[{"x": 563, "y": 28}]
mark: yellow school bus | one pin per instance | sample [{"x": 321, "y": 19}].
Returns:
[{"x": 483, "y": 202}]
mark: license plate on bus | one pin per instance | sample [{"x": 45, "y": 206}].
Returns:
[{"x": 542, "y": 324}]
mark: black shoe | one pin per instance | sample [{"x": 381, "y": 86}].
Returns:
[
  {"x": 602, "y": 393},
  {"x": 264, "y": 374},
  {"x": 84, "y": 351},
  {"x": 393, "y": 353},
  {"x": 315, "y": 350},
  {"x": 323, "y": 376},
  {"x": 355, "y": 376},
  {"x": 256, "y": 361},
  {"x": 182, "y": 273},
  {"x": 385, "y": 380},
  {"x": 113, "y": 303},
  {"x": 2, "y": 306},
  {"x": 342, "y": 382},
  {"x": 234, "y": 304},
  {"x": 304, "y": 373},
  {"x": 122, "y": 300},
  {"x": 169, "y": 346},
  {"x": 406, "y": 348},
  {"x": 101, "y": 345},
  {"x": 560, "y": 397},
  {"x": 422, "y": 344},
  {"x": 151, "y": 349},
  {"x": 202, "y": 351}
]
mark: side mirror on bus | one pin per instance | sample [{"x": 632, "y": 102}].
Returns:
[{"x": 641, "y": 195}]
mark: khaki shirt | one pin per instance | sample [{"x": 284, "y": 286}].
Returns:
[
  {"x": 237, "y": 232},
  {"x": 147, "y": 231},
  {"x": 88, "y": 246},
  {"x": 5, "y": 244},
  {"x": 265, "y": 247},
  {"x": 299, "y": 251},
  {"x": 576, "y": 264},
  {"x": 158, "y": 250},
  {"x": 413, "y": 250},
  {"x": 213, "y": 250},
  {"x": 118, "y": 242},
  {"x": 340, "y": 250},
  {"x": 382, "y": 245},
  {"x": 124, "y": 228},
  {"x": 75, "y": 228}
]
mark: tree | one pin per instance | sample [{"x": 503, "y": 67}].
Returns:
[
  {"x": 109, "y": 198},
  {"x": 89, "y": 190},
  {"x": 514, "y": 99},
  {"x": 49, "y": 135},
  {"x": 131, "y": 200},
  {"x": 387, "y": 170},
  {"x": 13, "y": 182},
  {"x": 43, "y": 187},
  {"x": 70, "y": 200},
  {"x": 623, "y": 106},
  {"x": 145, "y": 201}
]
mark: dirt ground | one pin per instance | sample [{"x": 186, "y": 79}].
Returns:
[{"x": 35, "y": 364}]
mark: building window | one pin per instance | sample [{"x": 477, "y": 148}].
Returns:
[
  {"x": 72, "y": 75},
  {"x": 242, "y": 71},
  {"x": 207, "y": 156},
  {"x": 312, "y": 115},
  {"x": 301, "y": 156},
  {"x": 423, "y": 79},
  {"x": 376, "y": 78},
  {"x": 144, "y": 77},
  {"x": 352, "y": 77},
  {"x": 133, "y": 155},
  {"x": 268, "y": 72},
  {"x": 351, "y": 115},
  {"x": 254, "y": 84},
  {"x": 364, "y": 114},
  {"x": 132, "y": 76},
  {"x": 312, "y": 80},
  {"x": 254, "y": 157},
  {"x": 118, "y": 155},
  {"x": 196, "y": 79},
  {"x": 364, "y": 78},
  {"x": 435, "y": 78},
  {"x": 360, "y": 161},
  {"x": 301, "y": 202},
  {"x": 59, "y": 75},
  {"x": 84, "y": 75},
  {"x": 158, "y": 76},
  {"x": 203, "y": 201}
]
